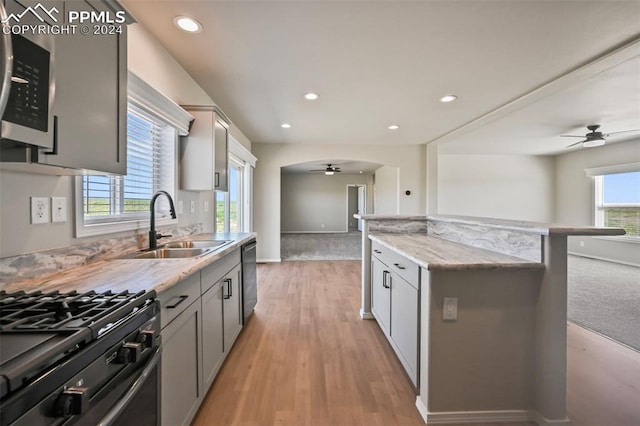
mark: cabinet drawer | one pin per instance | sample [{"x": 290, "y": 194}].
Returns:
[
  {"x": 212, "y": 273},
  {"x": 397, "y": 263},
  {"x": 176, "y": 299}
]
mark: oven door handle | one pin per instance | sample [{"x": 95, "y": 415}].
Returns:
[{"x": 119, "y": 407}]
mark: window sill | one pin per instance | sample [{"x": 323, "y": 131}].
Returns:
[{"x": 83, "y": 230}]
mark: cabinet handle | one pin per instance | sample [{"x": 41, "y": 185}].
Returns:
[
  {"x": 228, "y": 282},
  {"x": 377, "y": 251},
  {"x": 216, "y": 179},
  {"x": 384, "y": 279},
  {"x": 397, "y": 265},
  {"x": 54, "y": 150},
  {"x": 182, "y": 299}
]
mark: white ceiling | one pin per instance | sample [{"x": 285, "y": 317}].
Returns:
[
  {"x": 346, "y": 167},
  {"x": 376, "y": 63}
]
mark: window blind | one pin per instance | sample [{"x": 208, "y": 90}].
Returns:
[{"x": 150, "y": 162}]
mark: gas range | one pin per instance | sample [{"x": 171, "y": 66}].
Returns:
[{"x": 65, "y": 356}]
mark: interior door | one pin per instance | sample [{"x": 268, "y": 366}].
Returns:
[{"x": 362, "y": 204}]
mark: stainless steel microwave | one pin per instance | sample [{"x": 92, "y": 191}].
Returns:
[{"x": 28, "y": 87}]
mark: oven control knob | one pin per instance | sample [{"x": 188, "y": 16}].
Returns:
[
  {"x": 129, "y": 353},
  {"x": 72, "y": 401},
  {"x": 147, "y": 338}
]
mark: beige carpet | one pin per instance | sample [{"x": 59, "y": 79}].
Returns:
[
  {"x": 605, "y": 297},
  {"x": 325, "y": 246}
]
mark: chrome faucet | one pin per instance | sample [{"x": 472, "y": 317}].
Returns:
[{"x": 153, "y": 235}]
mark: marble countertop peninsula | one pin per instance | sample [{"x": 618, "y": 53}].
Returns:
[
  {"x": 538, "y": 228},
  {"x": 435, "y": 253},
  {"x": 132, "y": 275}
]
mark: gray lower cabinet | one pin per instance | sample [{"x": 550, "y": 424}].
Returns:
[
  {"x": 232, "y": 307},
  {"x": 395, "y": 304},
  {"x": 181, "y": 382},
  {"x": 380, "y": 295},
  {"x": 212, "y": 333}
]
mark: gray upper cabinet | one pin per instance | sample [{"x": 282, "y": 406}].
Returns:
[
  {"x": 204, "y": 153},
  {"x": 91, "y": 101},
  {"x": 89, "y": 109}
]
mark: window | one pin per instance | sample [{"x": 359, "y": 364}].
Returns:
[
  {"x": 617, "y": 201},
  {"x": 233, "y": 208},
  {"x": 108, "y": 204},
  {"x": 150, "y": 167}
]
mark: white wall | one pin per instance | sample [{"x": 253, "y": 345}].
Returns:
[
  {"x": 315, "y": 202},
  {"x": 151, "y": 62},
  {"x": 575, "y": 198},
  {"x": 500, "y": 186},
  {"x": 386, "y": 190},
  {"x": 271, "y": 157}
]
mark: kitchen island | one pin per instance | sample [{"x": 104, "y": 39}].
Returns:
[{"x": 496, "y": 350}]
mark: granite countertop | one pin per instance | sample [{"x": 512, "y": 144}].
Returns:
[
  {"x": 435, "y": 253},
  {"x": 133, "y": 275},
  {"x": 537, "y": 228}
]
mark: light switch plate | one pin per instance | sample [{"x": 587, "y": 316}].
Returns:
[
  {"x": 192, "y": 207},
  {"x": 58, "y": 209},
  {"x": 180, "y": 207},
  {"x": 206, "y": 206},
  {"x": 39, "y": 210}
]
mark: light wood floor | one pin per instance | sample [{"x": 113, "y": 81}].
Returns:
[{"x": 306, "y": 358}]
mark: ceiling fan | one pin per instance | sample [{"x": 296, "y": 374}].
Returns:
[
  {"x": 593, "y": 137},
  {"x": 329, "y": 170}
]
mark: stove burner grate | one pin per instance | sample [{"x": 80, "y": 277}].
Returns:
[{"x": 40, "y": 311}]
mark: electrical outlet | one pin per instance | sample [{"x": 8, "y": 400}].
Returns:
[
  {"x": 193, "y": 207},
  {"x": 206, "y": 206},
  {"x": 180, "y": 207},
  {"x": 39, "y": 210},
  {"x": 450, "y": 309},
  {"x": 581, "y": 243},
  {"x": 58, "y": 209}
]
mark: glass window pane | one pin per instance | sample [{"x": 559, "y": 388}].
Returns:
[
  {"x": 621, "y": 201},
  {"x": 234, "y": 199}
]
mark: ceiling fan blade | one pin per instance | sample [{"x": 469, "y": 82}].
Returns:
[
  {"x": 571, "y": 136},
  {"x": 574, "y": 144},
  {"x": 622, "y": 131}
]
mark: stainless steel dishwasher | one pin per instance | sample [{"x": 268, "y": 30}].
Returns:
[{"x": 249, "y": 279}]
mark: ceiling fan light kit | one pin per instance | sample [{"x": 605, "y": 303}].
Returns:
[
  {"x": 593, "y": 138},
  {"x": 330, "y": 170}
]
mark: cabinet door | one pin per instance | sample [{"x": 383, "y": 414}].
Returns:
[
  {"x": 181, "y": 387},
  {"x": 232, "y": 310},
  {"x": 221, "y": 177},
  {"x": 404, "y": 324},
  {"x": 212, "y": 333},
  {"x": 91, "y": 100},
  {"x": 380, "y": 294}
]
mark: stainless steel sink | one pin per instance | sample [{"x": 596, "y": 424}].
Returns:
[
  {"x": 196, "y": 244},
  {"x": 169, "y": 253}
]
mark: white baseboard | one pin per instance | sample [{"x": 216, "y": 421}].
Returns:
[
  {"x": 541, "y": 420},
  {"x": 277, "y": 260},
  {"x": 366, "y": 315},
  {"x": 588, "y": 256},
  {"x": 498, "y": 416}
]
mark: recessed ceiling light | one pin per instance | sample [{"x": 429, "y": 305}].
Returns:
[
  {"x": 393, "y": 127},
  {"x": 187, "y": 24},
  {"x": 311, "y": 96},
  {"x": 285, "y": 125},
  {"x": 361, "y": 171},
  {"x": 448, "y": 98}
]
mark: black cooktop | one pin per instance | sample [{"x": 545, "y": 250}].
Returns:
[{"x": 39, "y": 329}]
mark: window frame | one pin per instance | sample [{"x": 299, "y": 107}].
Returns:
[
  {"x": 148, "y": 99},
  {"x": 240, "y": 156},
  {"x": 597, "y": 174}
]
